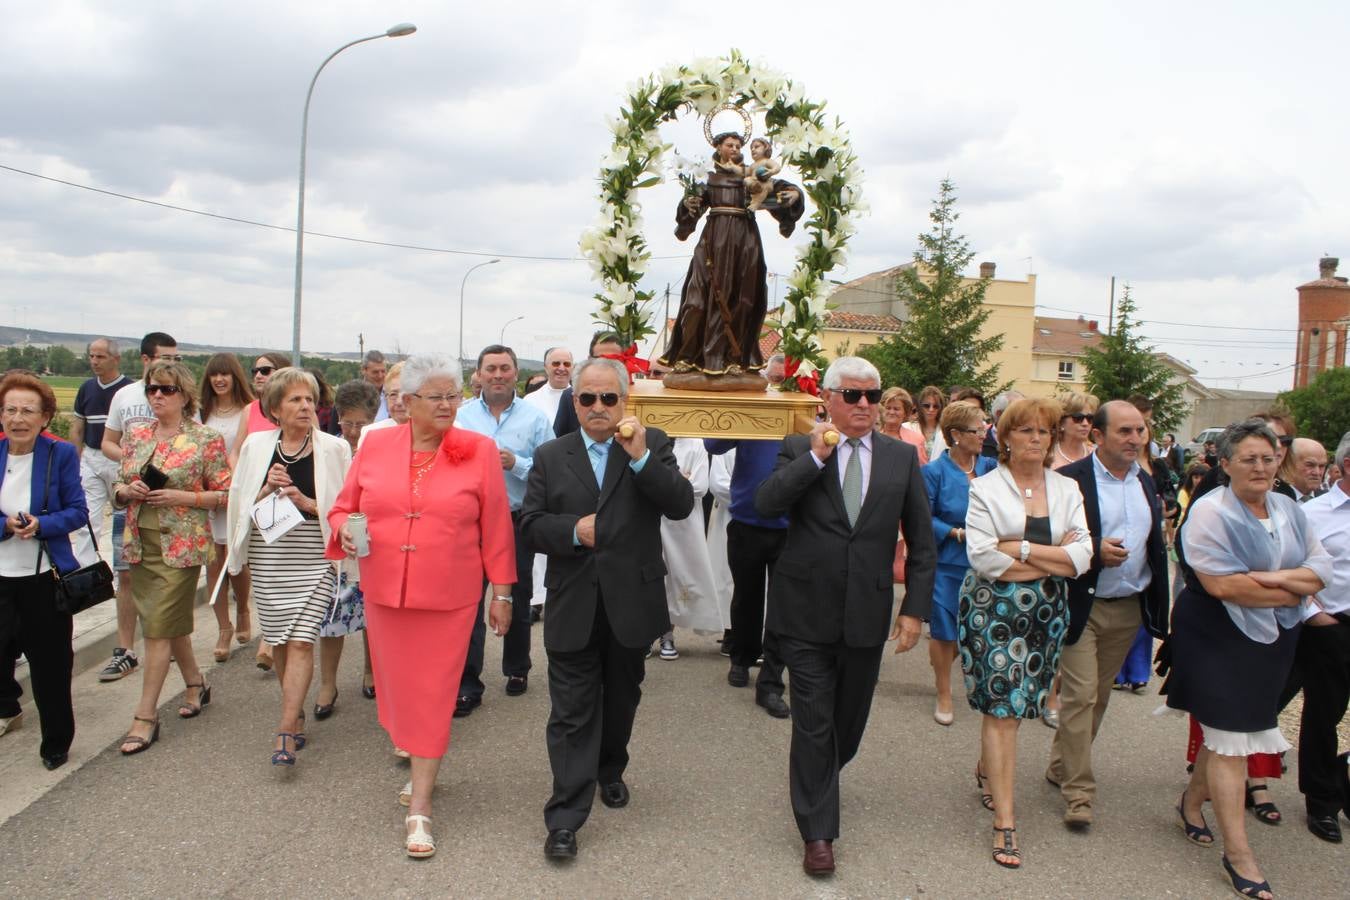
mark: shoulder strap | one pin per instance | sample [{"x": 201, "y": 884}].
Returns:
[{"x": 46, "y": 497}]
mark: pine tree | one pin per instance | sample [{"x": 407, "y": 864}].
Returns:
[
  {"x": 1123, "y": 366},
  {"x": 940, "y": 342}
]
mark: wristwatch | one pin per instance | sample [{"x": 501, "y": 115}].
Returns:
[{"x": 1026, "y": 550}]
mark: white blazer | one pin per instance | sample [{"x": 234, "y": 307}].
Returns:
[
  {"x": 332, "y": 459},
  {"x": 998, "y": 513}
]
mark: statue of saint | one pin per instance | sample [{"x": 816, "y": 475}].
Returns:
[{"x": 714, "y": 344}]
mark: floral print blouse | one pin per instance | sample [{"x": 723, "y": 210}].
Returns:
[{"x": 194, "y": 459}]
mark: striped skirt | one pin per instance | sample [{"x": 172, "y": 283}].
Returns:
[{"x": 292, "y": 583}]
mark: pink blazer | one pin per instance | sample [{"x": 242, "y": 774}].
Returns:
[
  {"x": 435, "y": 558},
  {"x": 915, "y": 440}
]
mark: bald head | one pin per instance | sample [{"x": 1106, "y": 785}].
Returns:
[{"x": 1308, "y": 464}]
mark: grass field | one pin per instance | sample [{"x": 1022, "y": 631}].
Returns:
[{"x": 65, "y": 386}]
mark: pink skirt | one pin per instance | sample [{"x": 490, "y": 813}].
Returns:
[{"x": 418, "y": 657}]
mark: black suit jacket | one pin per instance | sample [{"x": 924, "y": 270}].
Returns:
[
  {"x": 1153, "y": 605},
  {"x": 565, "y": 422},
  {"x": 625, "y": 570},
  {"x": 834, "y": 582}
]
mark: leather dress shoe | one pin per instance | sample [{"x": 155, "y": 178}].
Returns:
[
  {"x": 774, "y": 705},
  {"x": 466, "y": 704},
  {"x": 517, "y": 685},
  {"x": 614, "y": 795},
  {"x": 59, "y": 760},
  {"x": 738, "y": 676},
  {"x": 561, "y": 843},
  {"x": 819, "y": 858},
  {"x": 1325, "y": 826}
]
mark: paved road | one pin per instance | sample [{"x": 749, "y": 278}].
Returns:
[{"x": 204, "y": 814}]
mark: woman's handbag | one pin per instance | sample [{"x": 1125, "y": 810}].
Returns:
[{"x": 88, "y": 585}]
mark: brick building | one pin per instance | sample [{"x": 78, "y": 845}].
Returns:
[{"x": 1323, "y": 310}]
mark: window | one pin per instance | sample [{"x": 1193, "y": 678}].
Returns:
[{"x": 1066, "y": 370}]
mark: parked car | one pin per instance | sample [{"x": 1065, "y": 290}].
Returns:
[{"x": 1197, "y": 446}]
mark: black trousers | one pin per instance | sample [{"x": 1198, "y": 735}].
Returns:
[
  {"x": 1322, "y": 670},
  {"x": 832, "y": 687},
  {"x": 29, "y": 621},
  {"x": 516, "y": 644},
  {"x": 594, "y": 694},
  {"x": 752, "y": 552},
  {"x": 10, "y": 692}
]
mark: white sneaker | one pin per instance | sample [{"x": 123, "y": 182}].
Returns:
[{"x": 668, "y": 650}]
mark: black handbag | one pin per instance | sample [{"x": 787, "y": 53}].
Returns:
[{"x": 88, "y": 585}]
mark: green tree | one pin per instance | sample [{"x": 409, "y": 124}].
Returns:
[
  {"x": 1322, "y": 409},
  {"x": 940, "y": 342},
  {"x": 1122, "y": 365}
]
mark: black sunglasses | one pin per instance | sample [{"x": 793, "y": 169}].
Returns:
[
  {"x": 853, "y": 395},
  {"x": 588, "y": 400},
  {"x": 264, "y": 370},
  {"x": 1080, "y": 418},
  {"x": 167, "y": 390},
  {"x": 1286, "y": 440}
]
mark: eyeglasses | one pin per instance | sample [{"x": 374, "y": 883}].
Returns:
[
  {"x": 25, "y": 412},
  {"x": 1080, "y": 418},
  {"x": 968, "y": 430},
  {"x": 853, "y": 395},
  {"x": 351, "y": 426},
  {"x": 264, "y": 370},
  {"x": 588, "y": 400},
  {"x": 1251, "y": 462},
  {"x": 561, "y": 365},
  {"x": 167, "y": 390},
  {"x": 436, "y": 399},
  {"x": 931, "y": 405}
]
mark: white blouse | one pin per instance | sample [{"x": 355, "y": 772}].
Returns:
[
  {"x": 18, "y": 558},
  {"x": 998, "y": 513}
]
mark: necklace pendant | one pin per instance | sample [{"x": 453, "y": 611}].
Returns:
[{"x": 1026, "y": 492}]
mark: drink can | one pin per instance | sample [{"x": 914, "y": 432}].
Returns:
[{"x": 356, "y": 527}]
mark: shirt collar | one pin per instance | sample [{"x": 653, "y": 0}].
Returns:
[
  {"x": 1132, "y": 472},
  {"x": 1338, "y": 496},
  {"x": 483, "y": 403},
  {"x": 589, "y": 442}
]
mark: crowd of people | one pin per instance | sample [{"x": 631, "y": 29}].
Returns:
[{"x": 1033, "y": 536}]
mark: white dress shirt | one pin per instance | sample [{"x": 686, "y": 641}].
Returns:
[
  {"x": 844, "y": 451},
  {"x": 1329, "y": 519}
]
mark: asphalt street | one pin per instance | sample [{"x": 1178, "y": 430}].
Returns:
[{"x": 204, "y": 814}]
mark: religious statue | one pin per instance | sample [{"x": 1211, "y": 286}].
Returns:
[{"x": 714, "y": 344}]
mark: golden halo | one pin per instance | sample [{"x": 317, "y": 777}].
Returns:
[{"x": 745, "y": 118}]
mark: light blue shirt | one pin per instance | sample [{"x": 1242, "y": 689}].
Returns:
[
  {"x": 598, "y": 458},
  {"x": 520, "y": 429},
  {"x": 1124, "y": 514}
]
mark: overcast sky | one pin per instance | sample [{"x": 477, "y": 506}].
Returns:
[{"x": 1189, "y": 148}]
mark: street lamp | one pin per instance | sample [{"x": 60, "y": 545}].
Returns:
[
  {"x": 502, "y": 338},
  {"x": 461, "y": 306},
  {"x": 399, "y": 30}
]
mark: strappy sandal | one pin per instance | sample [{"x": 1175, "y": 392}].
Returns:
[
  {"x": 222, "y": 651},
  {"x": 986, "y": 798},
  {"x": 138, "y": 743},
  {"x": 243, "y": 632},
  {"x": 405, "y": 795},
  {"x": 193, "y": 710},
  {"x": 1012, "y": 856},
  {"x": 1244, "y": 887},
  {"x": 1194, "y": 833},
  {"x": 1267, "y": 812},
  {"x": 284, "y": 757},
  {"x": 300, "y": 739},
  {"x": 420, "y": 837}
]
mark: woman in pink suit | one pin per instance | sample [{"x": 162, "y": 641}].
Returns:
[{"x": 439, "y": 525}]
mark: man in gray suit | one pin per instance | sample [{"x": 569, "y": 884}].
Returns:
[
  {"x": 831, "y": 595},
  {"x": 593, "y": 504}
]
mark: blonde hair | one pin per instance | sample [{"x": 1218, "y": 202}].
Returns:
[
  {"x": 892, "y": 393},
  {"x": 280, "y": 384},
  {"x": 1030, "y": 410},
  {"x": 178, "y": 374},
  {"x": 961, "y": 414},
  {"x": 1077, "y": 404}
]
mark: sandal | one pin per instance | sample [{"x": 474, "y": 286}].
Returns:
[
  {"x": 405, "y": 795},
  {"x": 986, "y": 799},
  {"x": 420, "y": 837},
  {"x": 222, "y": 651},
  {"x": 1267, "y": 812},
  {"x": 138, "y": 743},
  {"x": 300, "y": 739},
  {"x": 193, "y": 710},
  {"x": 243, "y": 632},
  {"x": 1245, "y": 887},
  {"x": 1200, "y": 835},
  {"x": 284, "y": 757},
  {"x": 1012, "y": 857}
]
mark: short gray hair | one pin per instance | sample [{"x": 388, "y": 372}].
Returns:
[
  {"x": 1005, "y": 400},
  {"x": 854, "y": 367},
  {"x": 280, "y": 384},
  {"x": 604, "y": 362},
  {"x": 108, "y": 342},
  {"x": 417, "y": 369},
  {"x": 1343, "y": 450},
  {"x": 1238, "y": 432},
  {"x": 372, "y": 356}
]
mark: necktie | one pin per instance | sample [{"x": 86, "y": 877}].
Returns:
[
  {"x": 598, "y": 456},
  {"x": 853, "y": 481}
]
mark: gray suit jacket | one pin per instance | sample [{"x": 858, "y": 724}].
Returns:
[{"x": 834, "y": 582}]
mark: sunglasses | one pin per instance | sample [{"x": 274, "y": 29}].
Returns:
[
  {"x": 1080, "y": 418},
  {"x": 607, "y": 398},
  {"x": 853, "y": 395},
  {"x": 1286, "y": 440},
  {"x": 264, "y": 370},
  {"x": 167, "y": 390},
  {"x": 931, "y": 405}
]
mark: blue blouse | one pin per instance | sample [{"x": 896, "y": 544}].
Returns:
[{"x": 948, "y": 498}]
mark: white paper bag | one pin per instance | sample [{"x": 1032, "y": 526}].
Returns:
[{"x": 275, "y": 515}]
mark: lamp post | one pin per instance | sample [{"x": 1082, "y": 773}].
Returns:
[
  {"x": 461, "y": 306},
  {"x": 502, "y": 338},
  {"x": 399, "y": 30}
]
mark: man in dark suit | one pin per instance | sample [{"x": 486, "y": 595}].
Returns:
[
  {"x": 603, "y": 343},
  {"x": 831, "y": 595},
  {"x": 594, "y": 504},
  {"x": 1126, "y": 586}
]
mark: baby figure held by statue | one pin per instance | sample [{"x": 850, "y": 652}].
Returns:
[{"x": 759, "y": 174}]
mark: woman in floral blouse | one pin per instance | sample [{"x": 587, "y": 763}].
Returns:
[{"x": 174, "y": 472}]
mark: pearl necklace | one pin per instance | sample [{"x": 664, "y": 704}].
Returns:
[{"x": 291, "y": 460}]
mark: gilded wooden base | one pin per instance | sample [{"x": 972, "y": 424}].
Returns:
[{"x": 747, "y": 415}]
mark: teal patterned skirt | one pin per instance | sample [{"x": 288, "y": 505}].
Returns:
[{"x": 1010, "y": 635}]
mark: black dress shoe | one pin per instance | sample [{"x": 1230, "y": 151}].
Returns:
[
  {"x": 561, "y": 843},
  {"x": 59, "y": 760},
  {"x": 818, "y": 859},
  {"x": 738, "y": 676},
  {"x": 774, "y": 705},
  {"x": 517, "y": 685},
  {"x": 324, "y": 710},
  {"x": 1326, "y": 827},
  {"x": 466, "y": 705},
  {"x": 536, "y": 613},
  {"x": 368, "y": 691},
  {"x": 614, "y": 795}
]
